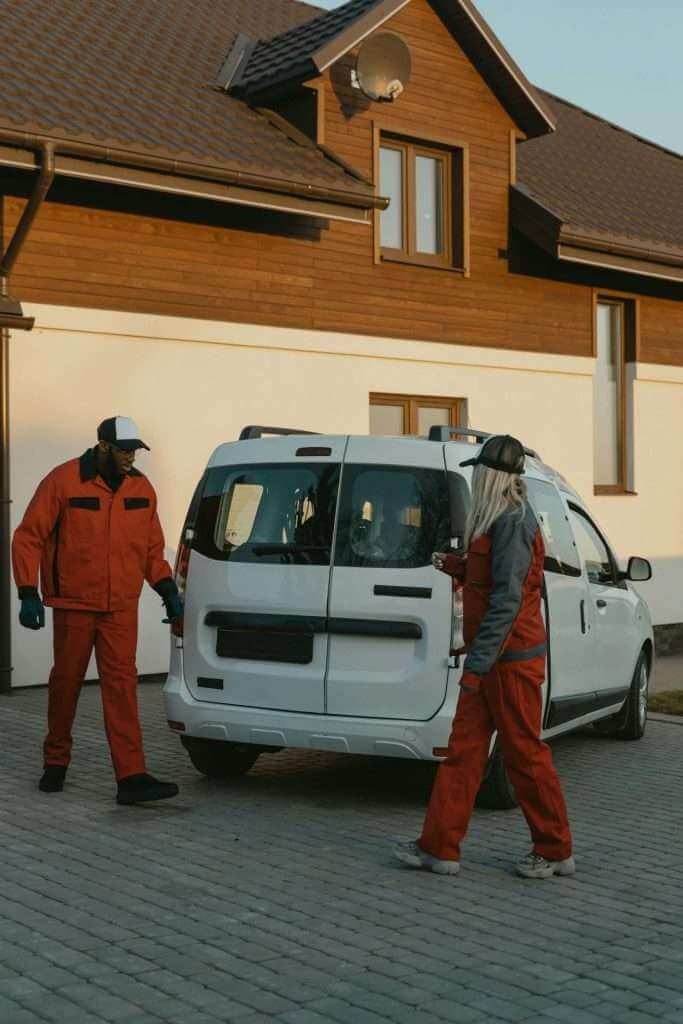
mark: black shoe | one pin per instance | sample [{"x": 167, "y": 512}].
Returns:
[
  {"x": 139, "y": 789},
  {"x": 52, "y": 780}
]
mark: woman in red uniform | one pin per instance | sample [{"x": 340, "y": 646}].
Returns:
[{"x": 502, "y": 579}]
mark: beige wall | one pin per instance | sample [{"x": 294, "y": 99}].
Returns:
[{"x": 194, "y": 384}]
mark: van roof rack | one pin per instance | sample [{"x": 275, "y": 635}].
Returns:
[
  {"x": 250, "y": 433},
  {"x": 442, "y": 434}
]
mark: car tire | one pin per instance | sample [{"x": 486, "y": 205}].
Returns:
[
  {"x": 632, "y": 719},
  {"x": 218, "y": 759},
  {"x": 496, "y": 792},
  {"x": 630, "y": 722}
]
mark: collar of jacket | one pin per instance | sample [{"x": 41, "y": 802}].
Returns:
[{"x": 88, "y": 466}]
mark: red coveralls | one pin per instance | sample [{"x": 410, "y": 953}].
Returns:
[
  {"x": 506, "y": 643},
  {"x": 94, "y": 547}
]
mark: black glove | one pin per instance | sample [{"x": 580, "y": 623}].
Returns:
[
  {"x": 168, "y": 592},
  {"x": 32, "y": 611}
]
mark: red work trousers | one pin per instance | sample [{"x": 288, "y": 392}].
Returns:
[
  {"x": 113, "y": 635},
  {"x": 510, "y": 701}
]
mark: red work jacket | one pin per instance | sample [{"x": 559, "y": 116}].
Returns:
[
  {"x": 502, "y": 581},
  {"x": 94, "y": 547}
]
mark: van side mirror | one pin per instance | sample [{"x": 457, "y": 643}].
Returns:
[{"x": 639, "y": 570}]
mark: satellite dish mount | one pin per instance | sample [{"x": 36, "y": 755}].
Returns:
[{"x": 382, "y": 69}]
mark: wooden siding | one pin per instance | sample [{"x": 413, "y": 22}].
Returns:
[{"x": 160, "y": 255}]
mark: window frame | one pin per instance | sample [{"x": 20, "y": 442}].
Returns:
[
  {"x": 615, "y": 580},
  {"x": 413, "y": 403},
  {"x": 629, "y": 349},
  {"x": 454, "y": 156}
]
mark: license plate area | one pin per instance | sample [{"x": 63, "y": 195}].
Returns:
[{"x": 265, "y": 645}]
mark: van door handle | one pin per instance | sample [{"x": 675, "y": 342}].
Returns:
[
  {"x": 582, "y": 606},
  {"x": 601, "y": 603}
]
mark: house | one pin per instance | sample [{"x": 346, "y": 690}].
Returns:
[{"x": 218, "y": 227}]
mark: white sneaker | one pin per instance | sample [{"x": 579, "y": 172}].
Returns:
[
  {"x": 534, "y": 866},
  {"x": 414, "y": 857}
]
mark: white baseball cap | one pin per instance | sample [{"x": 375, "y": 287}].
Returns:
[{"x": 121, "y": 431}]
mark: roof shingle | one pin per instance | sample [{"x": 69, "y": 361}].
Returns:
[
  {"x": 138, "y": 75},
  {"x": 601, "y": 180}
]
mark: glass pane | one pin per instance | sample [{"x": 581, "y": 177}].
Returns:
[
  {"x": 560, "y": 547},
  {"x": 271, "y": 514},
  {"x": 607, "y": 396},
  {"x": 593, "y": 550},
  {"x": 387, "y": 419},
  {"x": 392, "y": 517},
  {"x": 429, "y": 204},
  {"x": 428, "y": 416},
  {"x": 391, "y": 186}
]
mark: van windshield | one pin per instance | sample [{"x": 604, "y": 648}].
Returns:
[{"x": 275, "y": 513}]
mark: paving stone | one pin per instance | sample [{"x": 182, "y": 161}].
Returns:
[{"x": 274, "y": 898}]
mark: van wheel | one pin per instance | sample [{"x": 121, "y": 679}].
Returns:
[
  {"x": 496, "y": 792},
  {"x": 630, "y": 722},
  {"x": 218, "y": 759}
]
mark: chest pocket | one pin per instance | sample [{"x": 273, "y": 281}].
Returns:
[
  {"x": 479, "y": 563},
  {"x": 130, "y": 504},
  {"x": 92, "y": 504}
]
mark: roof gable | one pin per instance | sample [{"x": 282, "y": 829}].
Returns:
[{"x": 307, "y": 50}]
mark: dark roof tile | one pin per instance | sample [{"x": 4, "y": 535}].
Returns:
[
  {"x": 138, "y": 75},
  {"x": 602, "y": 180},
  {"x": 289, "y": 56}
]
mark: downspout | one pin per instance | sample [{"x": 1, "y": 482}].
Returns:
[{"x": 11, "y": 317}]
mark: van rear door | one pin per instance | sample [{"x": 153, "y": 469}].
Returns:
[
  {"x": 390, "y": 610},
  {"x": 258, "y": 579}
]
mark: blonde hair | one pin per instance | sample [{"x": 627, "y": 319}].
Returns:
[{"x": 493, "y": 493}]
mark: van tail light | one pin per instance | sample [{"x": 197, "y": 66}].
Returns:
[{"x": 182, "y": 564}]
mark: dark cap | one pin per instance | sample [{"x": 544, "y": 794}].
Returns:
[
  {"x": 122, "y": 432},
  {"x": 502, "y": 452}
]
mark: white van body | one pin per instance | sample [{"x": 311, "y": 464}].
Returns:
[{"x": 306, "y": 627}]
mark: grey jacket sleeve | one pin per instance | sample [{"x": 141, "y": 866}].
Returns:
[{"x": 512, "y": 543}]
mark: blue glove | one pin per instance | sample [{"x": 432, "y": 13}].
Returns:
[
  {"x": 168, "y": 592},
  {"x": 32, "y": 611}
]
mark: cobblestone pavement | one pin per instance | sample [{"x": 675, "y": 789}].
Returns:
[{"x": 274, "y": 898}]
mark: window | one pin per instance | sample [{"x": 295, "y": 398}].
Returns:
[
  {"x": 613, "y": 395},
  {"x": 270, "y": 514},
  {"x": 561, "y": 554},
  {"x": 423, "y": 222},
  {"x": 392, "y": 517},
  {"x": 595, "y": 554},
  {"x": 394, "y": 415}
]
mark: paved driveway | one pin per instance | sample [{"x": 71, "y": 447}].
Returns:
[{"x": 274, "y": 898}]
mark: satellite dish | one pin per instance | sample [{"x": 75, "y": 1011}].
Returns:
[{"x": 383, "y": 67}]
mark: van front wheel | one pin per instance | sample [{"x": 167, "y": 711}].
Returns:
[{"x": 218, "y": 759}]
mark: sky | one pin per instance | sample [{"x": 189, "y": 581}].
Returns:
[{"x": 620, "y": 59}]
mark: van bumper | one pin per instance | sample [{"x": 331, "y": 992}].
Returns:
[{"x": 276, "y": 729}]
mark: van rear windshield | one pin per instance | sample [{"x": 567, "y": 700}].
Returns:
[{"x": 274, "y": 513}]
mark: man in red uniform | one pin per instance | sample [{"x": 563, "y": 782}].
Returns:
[{"x": 93, "y": 532}]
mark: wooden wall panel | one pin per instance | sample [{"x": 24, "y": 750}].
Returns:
[
  {"x": 225, "y": 264},
  {"x": 661, "y": 332}
]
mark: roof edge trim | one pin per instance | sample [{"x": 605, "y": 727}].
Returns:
[
  {"x": 356, "y": 33},
  {"x": 622, "y": 264},
  {"x": 107, "y": 156},
  {"x": 508, "y": 62}
]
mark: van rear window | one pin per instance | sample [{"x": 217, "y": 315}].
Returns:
[
  {"x": 275, "y": 513},
  {"x": 392, "y": 517}
]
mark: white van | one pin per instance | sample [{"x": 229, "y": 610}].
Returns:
[{"x": 314, "y": 617}]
